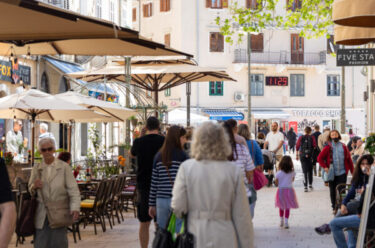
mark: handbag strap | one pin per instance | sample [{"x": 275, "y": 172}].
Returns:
[{"x": 169, "y": 175}]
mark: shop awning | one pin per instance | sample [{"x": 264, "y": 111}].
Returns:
[
  {"x": 270, "y": 114},
  {"x": 222, "y": 115},
  {"x": 68, "y": 67}
]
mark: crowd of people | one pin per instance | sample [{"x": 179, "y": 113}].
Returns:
[{"x": 209, "y": 175}]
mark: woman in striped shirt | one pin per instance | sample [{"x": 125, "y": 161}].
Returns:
[
  {"x": 241, "y": 156},
  {"x": 166, "y": 164}
]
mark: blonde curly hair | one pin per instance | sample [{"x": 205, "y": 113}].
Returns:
[{"x": 210, "y": 142}]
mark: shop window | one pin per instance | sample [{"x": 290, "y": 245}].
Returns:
[
  {"x": 257, "y": 43},
  {"x": 147, "y": 10},
  {"x": 216, "y": 42},
  {"x": 297, "y": 85},
  {"x": 333, "y": 85},
  {"x": 257, "y": 84},
  {"x": 44, "y": 83},
  {"x": 167, "y": 92},
  {"x": 165, "y": 5},
  {"x": 216, "y": 88}
]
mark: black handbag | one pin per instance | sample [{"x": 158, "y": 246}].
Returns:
[
  {"x": 185, "y": 239},
  {"x": 163, "y": 238}
]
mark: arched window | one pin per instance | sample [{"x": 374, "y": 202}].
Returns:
[
  {"x": 63, "y": 86},
  {"x": 44, "y": 83}
]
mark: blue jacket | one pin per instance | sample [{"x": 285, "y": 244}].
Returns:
[
  {"x": 255, "y": 152},
  {"x": 353, "y": 189}
]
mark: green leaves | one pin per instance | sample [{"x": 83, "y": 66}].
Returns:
[{"x": 312, "y": 17}]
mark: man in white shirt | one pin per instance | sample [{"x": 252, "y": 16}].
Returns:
[
  {"x": 274, "y": 142},
  {"x": 43, "y": 128},
  {"x": 14, "y": 139}
]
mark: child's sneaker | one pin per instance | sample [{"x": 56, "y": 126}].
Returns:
[
  {"x": 286, "y": 225},
  {"x": 281, "y": 222}
]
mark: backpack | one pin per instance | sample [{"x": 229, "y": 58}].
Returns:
[{"x": 306, "y": 146}]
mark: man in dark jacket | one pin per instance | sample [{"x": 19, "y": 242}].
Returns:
[
  {"x": 316, "y": 134},
  {"x": 291, "y": 136}
]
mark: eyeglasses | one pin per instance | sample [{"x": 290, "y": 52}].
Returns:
[{"x": 49, "y": 149}]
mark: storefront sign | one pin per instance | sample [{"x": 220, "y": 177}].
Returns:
[
  {"x": 13, "y": 72},
  {"x": 317, "y": 113},
  {"x": 355, "y": 57},
  {"x": 277, "y": 81}
]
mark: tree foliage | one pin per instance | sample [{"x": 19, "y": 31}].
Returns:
[{"x": 312, "y": 17}]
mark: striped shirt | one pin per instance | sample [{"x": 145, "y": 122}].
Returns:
[
  {"x": 243, "y": 160},
  {"x": 161, "y": 183}
]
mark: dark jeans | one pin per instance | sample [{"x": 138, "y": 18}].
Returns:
[
  {"x": 332, "y": 188},
  {"x": 307, "y": 169},
  {"x": 292, "y": 148}
]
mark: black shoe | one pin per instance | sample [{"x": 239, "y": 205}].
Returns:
[
  {"x": 311, "y": 187},
  {"x": 306, "y": 189},
  {"x": 324, "y": 229}
]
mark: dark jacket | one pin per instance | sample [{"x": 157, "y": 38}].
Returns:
[
  {"x": 353, "y": 189},
  {"x": 325, "y": 156},
  {"x": 292, "y": 138},
  {"x": 371, "y": 214}
]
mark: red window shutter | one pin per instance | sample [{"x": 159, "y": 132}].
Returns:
[
  {"x": 208, "y": 3},
  {"x": 220, "y": 42},
  {"x": 161, "y": 5},
  {"x": 257, "y": 43},
  {"x": 168, "y": 7},
  {"x": 134, "y": 14},
  {"x": 212, "y": 42},
  {"x": 144, "y": 10},
  {"x": 224, "y": 3}
]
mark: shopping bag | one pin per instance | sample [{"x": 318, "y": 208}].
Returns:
[
  {"x": 330, "y": 176},
  {"x": 185, "y": 239},
  {"x": 164, "y": 236}
]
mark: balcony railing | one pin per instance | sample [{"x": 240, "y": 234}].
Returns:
[{"x": 282, "y": 57}]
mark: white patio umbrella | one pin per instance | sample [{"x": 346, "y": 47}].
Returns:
[
  {"x": 113, "y": 110},
  {"x": 37, "y": 105},
  {"x": 179, "y": 117}
]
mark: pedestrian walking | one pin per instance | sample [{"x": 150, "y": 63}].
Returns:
[
  {"x": 261, "y": 139},
  {"x": 337, "y": 155},
  {"x": 7, "y": 207},
  {"x": 54, "y": 182},
  {"x": 233, "y": 125},
  {"x": 210, "y": 190},
  {"x": 323, "y": 138},
  {"x": 305, "y": 150},
  {"x": 274, "y": 142},
  {"x": 165, "y": 168},
  {"x": 316, "y": 152},
  {"x": 292, "y": 138},
  {"x": 145, "y": 149},
  {"x": 286, "y": 198},
  {"x": 241, "y": 156}
]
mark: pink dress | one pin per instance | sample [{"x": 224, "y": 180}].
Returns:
[{"x": 286, "y": 196}]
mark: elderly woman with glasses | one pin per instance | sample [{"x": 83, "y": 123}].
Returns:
[
  {"x": 53, "y": 181},
  {"x": 210, "y": 190}
]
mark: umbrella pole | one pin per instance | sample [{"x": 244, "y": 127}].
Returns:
[
  {"x": 33, "y": 116},
  {"x": 188, "y": 93},
  {"x": 105, "y": 139},
  {"x": 70, "y": 137}
]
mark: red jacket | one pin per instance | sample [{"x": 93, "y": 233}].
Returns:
[{"x": 324, "y": 158}]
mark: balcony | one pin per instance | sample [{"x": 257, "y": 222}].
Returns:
[{"x": 282, "y": 57}]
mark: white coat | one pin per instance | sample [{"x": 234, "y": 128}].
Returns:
[{"x": 213, "y": 195}]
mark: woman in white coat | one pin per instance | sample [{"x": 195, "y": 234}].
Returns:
[{"x": 211, "y": 191}]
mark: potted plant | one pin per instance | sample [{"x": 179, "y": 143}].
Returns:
[
  {"x": 8, "y": 158},
  {"x": 370, "y": 144},
  {"x": 133, "y": 120}
]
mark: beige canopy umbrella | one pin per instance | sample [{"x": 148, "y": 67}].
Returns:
[
  {"x": 356, "y": 13},
  {"x": 113, "y": 110},
  {"x": 157, "y": 78},
  {"x": 158, "y": 60},
  {"x": 34, "y": 28},
  {"x": 37, "y": 105},
  {"x": 353, "y": 36}
]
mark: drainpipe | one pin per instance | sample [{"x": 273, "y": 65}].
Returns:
[{"x": 197, "y": 41}]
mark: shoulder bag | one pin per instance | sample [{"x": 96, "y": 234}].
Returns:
[
  {"x": 163, "y": 236},
  {"x": 185, "y": 239},
  {"x": 58, "y": 212},
  {"x": 260, "y": 180}
]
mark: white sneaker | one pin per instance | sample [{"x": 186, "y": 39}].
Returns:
[{"x": 286, "y": 226}]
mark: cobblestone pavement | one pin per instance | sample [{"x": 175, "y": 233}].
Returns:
[{"x": 314, "y": 210}]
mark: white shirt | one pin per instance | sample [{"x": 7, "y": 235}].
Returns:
[
  {"x": 274, "y": 140},
  {"x": 14, "y": 141}
]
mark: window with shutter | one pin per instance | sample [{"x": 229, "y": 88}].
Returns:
[
  {"x": 216, "y": 4},
  {"x": 333, "y": 85},
  {"x": 294, "y": 5},
  {"x": 208, "y": 3},
  {"x": 134, "y": 17},
  {"x": 167, "y": 40},
  {"x": 252, "y": 4},
  {"x": 257, "y": 43},
  {"x": 162, "y": 5},
  {"x": 147, "y": 10},
  {"x": 216, "y": 42},
  {"x": 216, "y": 88},
  {"x": 297, "y": 85},
  {"x": 165, "y": 5}
]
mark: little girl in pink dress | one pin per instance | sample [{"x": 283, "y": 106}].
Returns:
[{"x": 286, "y": 196}]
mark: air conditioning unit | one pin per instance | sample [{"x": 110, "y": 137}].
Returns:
[{"x": 239, "y": 97}]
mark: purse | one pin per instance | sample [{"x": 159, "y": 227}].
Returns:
[
  {"x": 58, "y": 212},
  {"x": 163, "y": 236},
  {"x": 185, "y": 239},
  {"x": 330, "y": 176},
  {"x": 260, "y": 180}
]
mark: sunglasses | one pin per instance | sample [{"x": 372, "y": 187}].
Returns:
[{"x": 49, "y": 149}]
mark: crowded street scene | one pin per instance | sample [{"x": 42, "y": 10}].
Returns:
[{"x": 187, "y": 124}]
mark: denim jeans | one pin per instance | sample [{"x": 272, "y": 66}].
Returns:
[
  {"x": 338, "y": 224},
  {"x": 163, "y": 209},
  {"x": 252, "y": 209}
]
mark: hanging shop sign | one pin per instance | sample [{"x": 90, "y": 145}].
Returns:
[
  {"x": 355, "y": 57},
  {"x": 12, "y": 71},
  {"x": 277, "y": 81}
]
